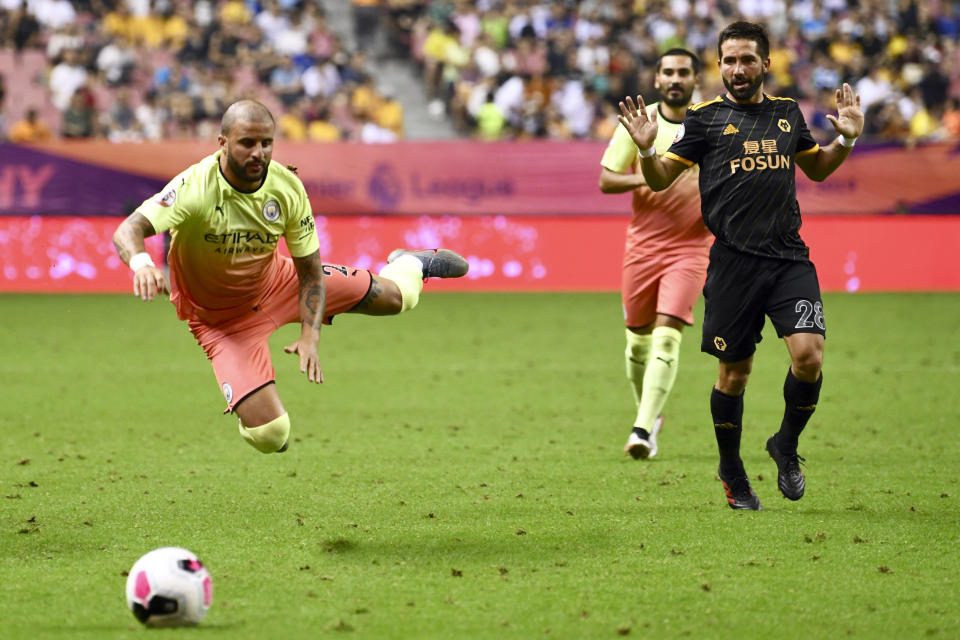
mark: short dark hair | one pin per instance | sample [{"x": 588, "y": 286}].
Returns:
[
  {"x": 746, "y": 31},
  {"x": 677, "y": 51}
]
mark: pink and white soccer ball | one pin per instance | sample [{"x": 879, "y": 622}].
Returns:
[{"x": 169, "y": 587}]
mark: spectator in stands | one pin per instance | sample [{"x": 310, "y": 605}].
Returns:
[
  {"x": 78, "y": 118},
  {"x": 951, "y": 120},
  {"x": 292, "y": 124},
  {"x": 322, "y": 78},
  {"x": 120, "y": 121},
  {"x": 527, "y": 46},
  {"x": 874, "y": 88},
  {"x": 69, "y": 37},
  {"x": 23, "y": 29},
  {"x": 116, "y": 60},
  {"x": 366, "y": 25},
  {"x": 66, "y": 78},
  {"x": 490, "y": 120},
  {"x": 321, "y": 129},
  {"x": 285, "y": 82},
  {"x": 150, "y": 116},
  {"x": 387, "y": 111},
  {"x": 53, "y": 14},
  {"x": 29, "y": 129}
]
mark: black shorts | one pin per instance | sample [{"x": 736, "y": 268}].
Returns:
[{"x": 741, "y": 288}]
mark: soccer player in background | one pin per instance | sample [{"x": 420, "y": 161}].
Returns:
[
  {"x": 226, "y": 215},
  {"x": 665, "y": 255},
  {"x": 746, "y": 144}
]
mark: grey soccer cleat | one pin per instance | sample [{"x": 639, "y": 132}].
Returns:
[{"x": 437, "y": 263}]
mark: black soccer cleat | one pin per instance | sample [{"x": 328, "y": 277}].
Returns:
[
  {"x": 437, "y": 263},
  {"x": 790, "y": 478},
  {"x": 740, "y": 494}
]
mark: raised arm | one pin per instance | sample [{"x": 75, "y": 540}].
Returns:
[
  {"x": 313, "y": 304},
  {"x": 148, "y": 280},
  {"x": 849, "y": 124},
  {"x": 658, "y": 172}
]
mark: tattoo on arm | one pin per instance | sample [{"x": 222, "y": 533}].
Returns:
[
  {"x": 128, "y": 238},
  {"x": 313, "y": 289}
]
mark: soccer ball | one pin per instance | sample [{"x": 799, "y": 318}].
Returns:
[{"x": 169, "y": 587}]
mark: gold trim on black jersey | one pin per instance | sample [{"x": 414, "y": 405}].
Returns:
[
  {"x": 701, "y": 105},
  {"x": 674, "y": 156}
]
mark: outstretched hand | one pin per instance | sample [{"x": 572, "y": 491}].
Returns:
[
  {"x": 849, "y": 119},
  {"x": 309, "y": 358},
  {"x": 641, "y": 127}
]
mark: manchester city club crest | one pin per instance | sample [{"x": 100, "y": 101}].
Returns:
[
  {"x": 227, "y": 392},
  {"x": 271, "y": 211}
]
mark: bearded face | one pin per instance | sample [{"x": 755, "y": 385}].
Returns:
[
  {"x": 675, "y": 80},
  {"x": 247, "y": 149},
  {"x": 742, "y": 69}
]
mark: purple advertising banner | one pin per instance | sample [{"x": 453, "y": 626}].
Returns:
[
  {"x": 464, "y": 178},
  {"x": 35, "y": 182}
]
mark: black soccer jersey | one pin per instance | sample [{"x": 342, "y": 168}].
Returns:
[{"x": 746, "y": 154}]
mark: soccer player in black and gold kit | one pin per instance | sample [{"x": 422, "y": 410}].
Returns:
[{"x": 747, "y": 143}]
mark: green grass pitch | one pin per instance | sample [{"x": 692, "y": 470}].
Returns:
[{"x": 460, "y": 474}]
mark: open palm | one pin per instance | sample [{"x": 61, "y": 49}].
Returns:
[
  {"x": 642, "y": 129},
  {"x": 849, "y": 119}
]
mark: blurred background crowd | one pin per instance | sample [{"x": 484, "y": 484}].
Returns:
[{"x": 363, "y": 70}]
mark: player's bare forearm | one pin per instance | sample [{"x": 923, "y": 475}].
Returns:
[
  {"x": 128, "y": 238},
  {"x": 616, "y": 182},
  {"x": 313, "y": 292},
  {"x": 660, "y": 173},
  {"x": 817, "y": 166}
]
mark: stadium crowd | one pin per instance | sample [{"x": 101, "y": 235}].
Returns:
[{"x": 499, "y": 69}]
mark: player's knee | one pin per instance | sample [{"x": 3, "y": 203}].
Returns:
[
  {"x": 637, "y": 353},
  {"x": 732, "y": 380},
  {"x": 807, "y": 365},
  {"x": 667, "y": 340},
  {"x": 270, "y": 437}
]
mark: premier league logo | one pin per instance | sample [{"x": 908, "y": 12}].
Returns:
[
  {"x": 168, "y": 198},
  {"x": 271, "y": 211},
  {"x": 384, "y": 187}
]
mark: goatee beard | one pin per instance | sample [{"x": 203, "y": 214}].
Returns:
[{"x": 748, "y": 92}]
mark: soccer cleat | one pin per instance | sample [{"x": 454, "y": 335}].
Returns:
[
  {"x": 437, "y": 263},
  {"x": 639, "y": 445},
  {"x": 790, "y": 478},
  {"x": 642, "y": 444},
  {"x": 740, "y": 494}
]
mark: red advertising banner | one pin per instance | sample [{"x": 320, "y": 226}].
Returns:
[
  {"x": 525, "y": 253},
  {"x": 462, "y": 178}
]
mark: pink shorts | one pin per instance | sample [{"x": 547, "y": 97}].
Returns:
[
  {"x": 662, "y": 283},
  {"x": 238, "y": 349}
]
